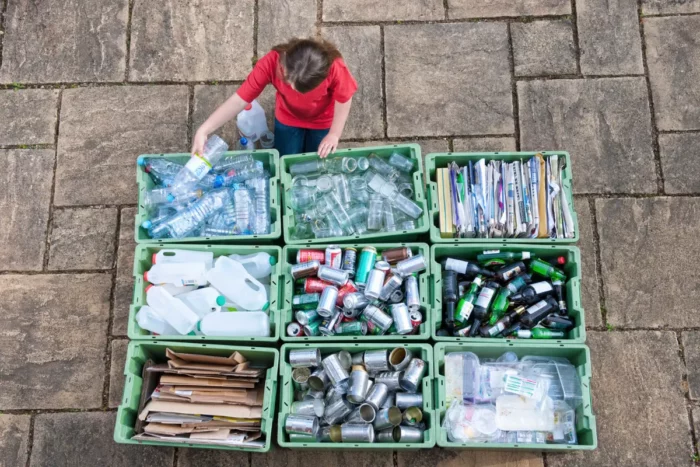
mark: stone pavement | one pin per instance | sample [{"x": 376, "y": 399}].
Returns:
[{"x": 86, "y": 86}]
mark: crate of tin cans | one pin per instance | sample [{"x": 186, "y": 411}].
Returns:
[
  {"x": 356, "y": 292},
  {"x": 356, "y": 396}
]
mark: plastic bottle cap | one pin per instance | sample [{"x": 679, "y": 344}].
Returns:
[
  {"x": 141, "y": 161},
  {"x": 153, "y": 258},
  {"x": 249, "y": 106},
  {"x": 266, "y": 306},
  {"x": 218, "y": 181},
  {"x": 145, "y": 275},
  {"x": 146, "y": 224},
  {"x": 150, "y": 285},
  {"x": 244, "y": 140},
  {"x": 170, "y": 198},
  {"x": 273, "y": 260},
  {"x": 221, "y": 300}
]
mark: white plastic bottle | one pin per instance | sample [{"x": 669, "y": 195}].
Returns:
[
  {"x": 236, "y": 324},
  {"x": 176, "y": 290},
  {"x": 173, "y": 311},
  {"x": 150, "y": 320},
  {"x": 258, "y": 265},
  {"x": 231, "y": 279},
  {"x": 183, "y": 256},
  {"x": 203, "y": 301},
  {"x": 177, "y": 274},
  {"x": 251, "y": 122}
]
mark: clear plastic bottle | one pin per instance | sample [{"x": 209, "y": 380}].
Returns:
[
  {"x": 246, "y": 172},
  {"x": 189, "y": 219},
  {"x": 402, "y": 163},
  {"x": 376, "y": 212},
  {"x": 308, "y": 167},
  {"x": 243, "y": 201},
  {"x": 160, "y": 196},
  {"x": 210, "y": 231},
  {"x": 161, "y": 171},
  {"x": 245, "y": 145},
  {"x": 233, "y": 162},
  {"x": 261, "y": 187},
  {"x": 199, "y": 165}
]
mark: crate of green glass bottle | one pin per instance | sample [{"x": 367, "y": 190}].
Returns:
[
  {"x": 143, "y": 261},
  {"x": 442, "y": 160},
  {"x": 270, "y": 160},
  {"x": 289, "y": 256},
  {"x": 572, "y": 286},
  {"x": 139, "y": 352},
  {"x": 422, "y": 351},
  {"x": 576, "y": 354},
  {"x": 410, "y": 151}
]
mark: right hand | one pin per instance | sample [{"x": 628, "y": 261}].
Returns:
[{"x": 200, "y": 138}]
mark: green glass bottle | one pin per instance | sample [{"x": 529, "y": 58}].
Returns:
[
  {"x": 466, "y": 305},
  {"x": 504, "y": 255},
  {"x": 539, "y": 333},
  {"x": 500, "y": 305},
  {"x": 543, "y": 268}
]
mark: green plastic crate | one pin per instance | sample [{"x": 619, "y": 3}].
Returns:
[
  {"x": 411, "y": 151},
  {"x": 572, "y": 268},
  {"x": 143, "y": 262},
  {"x": 289, "y": 254},
  {"x": 287, "y": 396},
  {"x": 137, "y": 354},
  {"x": 269, "y": 158},
  {"x": 577, "y": 354},
  {"x": 441, "y": 160}
]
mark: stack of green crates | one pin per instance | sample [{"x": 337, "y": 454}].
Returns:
[{"x": 571, "y": 347}]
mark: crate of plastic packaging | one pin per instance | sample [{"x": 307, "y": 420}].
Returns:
[
  {"x": 577, "y": 354},
  {"x": 143, "y": 260},
  {"x": 422, "y": 351},
  {"x": 137, "y": 354},
  {"x": 269, "y": 158},
  {"x": 572, "y": 287},
  {"x": 411, "y": 151},
  {"x": 289, "y": 255},
  {"x": 442, "y": 160}
]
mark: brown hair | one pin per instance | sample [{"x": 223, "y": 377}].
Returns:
[{"x": 306, "y": 62}]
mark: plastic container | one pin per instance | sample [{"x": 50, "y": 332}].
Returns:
[
  {"x": 441, "y": 160},
  {"x": 577, "y": 354},
  {"x": 251, "y": 122},
  {"x": 137, "y": 354},
  {"x": 410, "y": 151},
  {"x": 423, "y": 351},
  {"x": 143, "y": 258},
  {"x": 289, "y": 255},
  {"x": 270, "y": 160},
  {"x": 572, "y": 268}
]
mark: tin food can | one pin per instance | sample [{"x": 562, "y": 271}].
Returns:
[
  {"x": 355, "y": 433},
  {"x": 304, "y": 357},
  {"x": 405, "y": 400},
  {"x": 376, "y": 360},
  {"x": 318, "y": 380},
  {"x": 349, "y": 261},
  {"x": 387, "y": 418},
  {"x": 334, "y": 369},
  {"x": 391, "y": 379},
  {"x": 311, "y": 255},
  {"x": 307, "y": 269},
  {"x": 301, "y": 425},
  {"x": 377, "y": 395},
  {"x": 413, "y": 375},
  {"x": 399, "y": 358},
  {"x": 300, "y": 378},
  {"x": 333, "y": 256},
  {"x": 368, "y": 256}
]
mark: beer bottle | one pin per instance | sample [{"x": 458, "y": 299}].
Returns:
[
  {"x": 533, "y": 293},
  {"x": 558, "y": 322},
  {"x": 539, "y": 333},
  {"x": 559, "y": 292},
  {"x": 537, "y": 312},
  {"x": 543, "y": 268},
  {"x": 466, "y": 303},
  {"x": 465, "y": 267},
  {"x": 481, "y": 307},
  {"x": 503, "y": 323},
  {"x": 506, "y": 273},
  {"x": 449, "y": 296},
  {"x": 500, "y": 305}
]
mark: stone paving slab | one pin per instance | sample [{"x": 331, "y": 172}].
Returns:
[
  {"x": 646, "y": 246},
  {"x": 206, "y": 100},
  {"x": 680, "y": 162},
  {"x": 636, "y": 389},
  {"x": 54, "y": 334},
  {"x": 211, "y": 458},
  {"x": 279, "y": 21},
  {"x": 604, "y": 124},
  {"x": 657, "y": 7},
  {"x": 14, "y": 437},
  {"x": 28, "y": 115},
  {"x": 468, "y": 458},
  {"x": 185, "y": 41},
  {"x": 673, "y": 57},
  {"x": 67, "y": 41},
  {"x": 543, "y": 48},
  {"x": 83, "y": 239},
  {"x": 487, "y": 144},
  {"x": 431, "y": 85},
  {"x": 498, "y": 8},
  {"x": 116, "y": 372},
  {"x": 691, "y": 346},
  {"x": 86, "y": 439},
  {"x": 590, "y": 299},
  {"x": 23, "y": 226},
  {"x": 124, "y": 282},
  {"x": 391, "y": 10},
  {"x": 292, "y": 458},
  {"x": 103, "y": 131}
]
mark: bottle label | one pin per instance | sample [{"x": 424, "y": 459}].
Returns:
[
  {"x": 490, "y": 252},
  {"x": 536, "y": 307},
  {"x": 521, "y": 386},
  {"x": 526, "y": 255},
  {"x": 541, "y": 287},
  {"x": 456, "y": 265},
  {"x": 485, "y": 297},
  {"x": 186, "y": 282},
  {"x": 465, "y": 311},
  {"x": 198, "y": 165},
  {"x": 499, "y": 327}
]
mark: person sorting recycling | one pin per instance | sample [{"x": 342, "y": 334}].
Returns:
[{"x": 314, "y": 95}]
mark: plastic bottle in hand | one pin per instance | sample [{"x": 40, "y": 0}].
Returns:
[
  {"x": 244, "y": 144},
  {"x": 175, "y": 312},
  {"x": 231, "y": 279},
  {"x": 258, "y": 265},
  {"x": 251, "y": 122},
  {"x": 199, "y": 165},
  {"x": 235, "y": 324},
  {"x": 189, "y": 219}
]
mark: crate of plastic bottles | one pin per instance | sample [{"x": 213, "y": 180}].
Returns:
[
  {"x": 139, "y": 352},
  {"x": 570, "y": 256},
  {"x": 368, "y": 194},
  {"x": 398, "y": 422},
  {"x": 294, "y": 300},
  {"x": 264, "y": 214},
  {"x": 443, "y": 160},
  {"x": 547, "y": 385},
  {"x": 146, "y": 256}
]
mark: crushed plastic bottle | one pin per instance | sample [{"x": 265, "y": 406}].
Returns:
[{"x": 189, "y": 219}]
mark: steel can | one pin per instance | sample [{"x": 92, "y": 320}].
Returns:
[
  {"x": 407, "y": 434},
  {"x": 413, "y": 264},
  {"x": 295, "y": 330},
  {"x": 314, "y": 285},
  {"x": 313, "y": 407},
  {"x": 318, "y": 381},
  {"x": 387, "y": 418},
  {"x": 336, "y": 410},
  {"x": 358, "y": 386},
  {"x": 299, "y": 358},
  {"x": 311, "y": 255},
  {"x": 416, "y": 319},
  {"x": 336, "y": 372},
  {"x": 413, "y": 375},
  {"x": 300, "y": 378},
  {"x": 348, "y": 288},
  {"x": 402, "y": 320},
  {"x": 305, "y": 301},
  {"x": 375, "y": 282},
  {"x": 386, "y": 436},
  {"x": 399, "y": 358},
  {"x": 301, "y": 425},
  {"x": 334, "y": 276},
  {"x": 377, "y": 395},
  {"x": 394, "y": 255},
  {"x": 351, "y": 328},
  {"x": 333, "y": 256},
  {"x": 391, "y": 284},
  {"x": 355, "y": 433},
  {"x": 326, "y": 304},
  {"x": 307, "y": 269},
  {"x": 412, "y": 293},
  {"x": 405, "y": 400},
  {"x": 376, "y": 360},
  {"x": 368, "y": 256},
  {"x": 391, "y": 379},
  {"x": 349, "y": 261}
]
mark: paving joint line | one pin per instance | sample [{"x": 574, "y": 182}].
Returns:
[
  {"x": 574, "y": 29},
  {"x": 49, "y": 221},
  {"x": 60, "y": 272},
  {"x": 602, "y": 309},
  {"x": 654, "y": 128},
  {"x": 3, "y": 13},
  {"x": 686, "y": 395},
  {"x": 190, "y": 114},
  {"x": 319, "y": 17},
  {"x": 446, "y": 7},
  {"x": 395, "y": 458},
  {"x": 576, "y": 76},
  {"x": 28, "y": 146},
  {"x": 544, "y": 460},
  {"x": 250, "y": 458},
  {"x": 127, "y": 67},
  {"x": 398, "y": 139},
  {"x": 95, "y": 206},
  {"x": 110, "y": 321},
  {"x": 636, "y": 195},
  {"x": 513, "y": 89},
  {"x": 176, "y": 456},
  {"x": 55, "y": 411},
  {"x": 104, "y": 84},
  {"x": 256, "y": 10},
  {"x": 30, "y": 440},
  {"x": 669, "y": 15},
  {"x": 385, "y": 111},
  {"x": 679, "y": 132},
  {"x": 493, "y": 19}
]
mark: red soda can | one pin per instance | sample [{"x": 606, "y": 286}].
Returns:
[
  {"x": 416, "y": 320},
  {"x": 315, "y": 285},
  {"x": 343, "y": 291},
  {"x": 294, "y": 329},
  {"x": 304, "y": 256},
  {"x": 334, "y": 256}
]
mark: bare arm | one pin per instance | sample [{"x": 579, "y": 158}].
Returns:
[
  {"x": 225, "y": 112},
  {"x": 340, "y": 116}
]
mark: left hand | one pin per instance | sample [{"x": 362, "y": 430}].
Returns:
[{"x": 328, "y": 145}]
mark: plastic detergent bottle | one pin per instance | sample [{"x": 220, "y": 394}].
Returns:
[
  {"x": 251, "y": 122},
  {"x": 173, "y": 311},
  {"x": 177, "y": 274},
  {"x": 150, "y": 320},
  {"x": 168, "y": 255},
  {"x": 231, "y": 279},
  {"x": 258, "y": 265},
  {"x": 203, "y": 301}
]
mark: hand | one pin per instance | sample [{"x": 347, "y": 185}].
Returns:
[
  {"x": 328, "y": 145},
  {"x": 200, "y": 138}
]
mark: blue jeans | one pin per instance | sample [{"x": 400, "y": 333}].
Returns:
[{"x": 293, "y": 140}]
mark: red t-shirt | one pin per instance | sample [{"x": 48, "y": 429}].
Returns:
[{"x": 312, "y": 110}]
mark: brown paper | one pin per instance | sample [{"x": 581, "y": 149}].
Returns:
[{"x": 222, "y": 410}]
